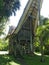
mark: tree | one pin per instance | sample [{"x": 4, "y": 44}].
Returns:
[
  {"x": 7, "y": 8},
  {"x": 43, "y": 35},
  {"x": 2, "y": 26}
]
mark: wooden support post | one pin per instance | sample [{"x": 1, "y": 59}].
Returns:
[
  {"x": 15, "y": 48},
  {"x": 31, "y": 43},
  {"x": 20, "y": 49}
]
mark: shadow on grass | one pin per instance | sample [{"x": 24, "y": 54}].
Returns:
[
  {"x": 36, "y": 60},
  {"x": 28, "y": 60},
  {"x": 9, "y": 60}
]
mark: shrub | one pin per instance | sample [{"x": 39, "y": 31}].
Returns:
[
  {"x": 46, "y": 51},
  {"x": 3, "y": 45}
]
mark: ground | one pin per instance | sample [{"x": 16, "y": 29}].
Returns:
[{"x": 6, "y": 59}]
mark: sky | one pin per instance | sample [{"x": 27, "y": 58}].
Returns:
[
  {"x": 45, "y": 8},
  {"x": 15, "y": 19}
]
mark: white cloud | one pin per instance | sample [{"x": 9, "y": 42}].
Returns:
[{"x": 45, "y": 8}]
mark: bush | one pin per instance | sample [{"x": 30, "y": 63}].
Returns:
[
  {"x": 37, "y": 49},
  {"x": 46, "y": 51},
  {"x": 3, "y": 45}
]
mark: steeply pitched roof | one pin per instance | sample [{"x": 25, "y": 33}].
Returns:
[{"x": 25, "y": 13}]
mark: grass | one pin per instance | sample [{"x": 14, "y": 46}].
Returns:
[
  {"x": 29, "y": 60},
  {"x": 8, "y": 60},
  {"x": 35, "y": 60}
]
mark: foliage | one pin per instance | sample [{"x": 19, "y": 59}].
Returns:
[
  {"x": 7, "y": 8},
  {"x": 3, "y": 45},
  {"x": 43, "y": 35},
  {"x": 8, "y": 60},
  {"x": 3, "y": 24},
  {"x": 37, "y": 44}
]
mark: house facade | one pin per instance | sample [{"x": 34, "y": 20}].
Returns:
[{"x": 21, "y": 40}]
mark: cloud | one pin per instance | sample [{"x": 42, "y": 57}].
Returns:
[{"x": 45, "y": 8}]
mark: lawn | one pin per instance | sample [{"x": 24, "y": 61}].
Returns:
[
  {"x": 8, "y": 60},
  {"x": 35, "y": 60},
  {"x": 29, "y": 60}
]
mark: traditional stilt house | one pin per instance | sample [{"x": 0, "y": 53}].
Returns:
[{"x": 21, "y": 40}]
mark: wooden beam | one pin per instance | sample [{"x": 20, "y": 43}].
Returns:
[
  {"x": 31, "y": 34},
  {"x": 27, "y": 29}
]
